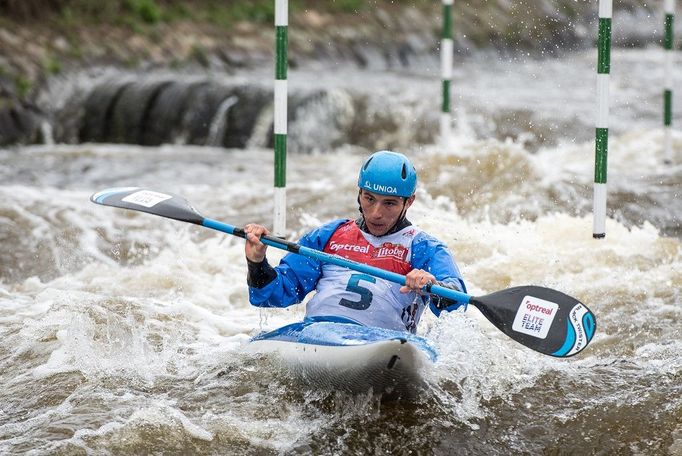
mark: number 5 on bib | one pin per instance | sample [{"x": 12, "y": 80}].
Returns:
[{"x": 355, "y": 287}]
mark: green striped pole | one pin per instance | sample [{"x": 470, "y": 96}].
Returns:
[
  {"x": 446, "y": 50},
  {"x": 281, "y": 93},
  {"x": 602, "y": 133},
  {"x": 668, "y": 86}
]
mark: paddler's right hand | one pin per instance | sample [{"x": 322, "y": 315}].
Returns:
[{"x": 255, "y": 249}]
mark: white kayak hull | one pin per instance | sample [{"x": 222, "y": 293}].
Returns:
[{"x": 349, "y": 357}]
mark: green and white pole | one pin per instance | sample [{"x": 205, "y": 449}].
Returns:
[
  {"x": 668, "y": 86},
  {"x": 280, "y": 128},
  {"x": 602, "y": 131},
  {"x": 446, "y": 54}
]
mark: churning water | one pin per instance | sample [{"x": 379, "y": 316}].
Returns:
[{"x": 124, "y": 333}]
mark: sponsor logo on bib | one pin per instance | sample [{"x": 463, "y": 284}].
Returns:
[
  {"x": 390, "y": 250},
  {"x": 336, "y": 247}
]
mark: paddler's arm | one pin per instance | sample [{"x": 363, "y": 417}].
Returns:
[
  {"x": 293, "y": 278},
  {"x": 433, "y": 256},
  {"x": 260, "y": 274}
]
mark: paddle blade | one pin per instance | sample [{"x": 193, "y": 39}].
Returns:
[
  {"x": 542, "y": 319},
  {"x": 150, "y": 201}
]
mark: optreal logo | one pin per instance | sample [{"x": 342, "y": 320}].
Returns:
[
  {"x": 537, "y": 308},
  {"x": 336, "y": 247}
]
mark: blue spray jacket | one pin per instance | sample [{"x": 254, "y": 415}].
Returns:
[{"x": 298, "y": 275}]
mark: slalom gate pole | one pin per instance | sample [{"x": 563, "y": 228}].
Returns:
[
  {"x": 668, "y": 85},
  {"x": 602, "y": 130},
  {"x": 280, "y": 128},
  {"x": 446, "y": 50}
]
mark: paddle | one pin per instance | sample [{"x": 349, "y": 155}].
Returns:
[{"x": 542, "y": 319}]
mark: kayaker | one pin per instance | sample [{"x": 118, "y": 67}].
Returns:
[{"x": 382, "y": 237}]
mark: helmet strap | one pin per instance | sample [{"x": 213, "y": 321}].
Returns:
[{"x": 360, "y": 205}]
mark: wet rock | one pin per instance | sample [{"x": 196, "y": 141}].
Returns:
[{"x": 19, "y": 121}]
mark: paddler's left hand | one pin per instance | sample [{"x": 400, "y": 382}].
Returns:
[{"x": 417, "y": 279}]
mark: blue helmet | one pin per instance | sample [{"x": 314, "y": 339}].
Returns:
[{"x": 388, "y": 173}]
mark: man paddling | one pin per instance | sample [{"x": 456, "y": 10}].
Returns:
[
  {"x": 382, "y": 237},
  {"x": 383, "y": 242}
]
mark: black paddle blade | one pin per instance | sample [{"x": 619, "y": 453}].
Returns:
[
  {"x": 542, "y": 319},
  {"x": 139, "y": 199}
]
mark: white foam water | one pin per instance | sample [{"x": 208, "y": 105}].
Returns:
[{"x": 123, "y": 333}]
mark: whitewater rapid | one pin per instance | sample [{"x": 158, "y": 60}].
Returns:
[{"x": 123, "y": 332}]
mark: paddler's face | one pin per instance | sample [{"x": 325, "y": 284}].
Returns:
[{"x": 381, "y": 212}]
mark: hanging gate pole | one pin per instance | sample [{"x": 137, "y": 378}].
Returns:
[
  {"x": 280, "y": 128},
  {"x": 668, "y": 86},
  {"x": 602, "y": 130},
  {"x": 446, "y": 50}
]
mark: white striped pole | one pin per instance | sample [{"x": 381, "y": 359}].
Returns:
[
  {"x": 668, "y": 85},
  {"x": 280, "y": 130},
  {"x": 446, "y": 51},
  {"x": 602, "y": 131}
]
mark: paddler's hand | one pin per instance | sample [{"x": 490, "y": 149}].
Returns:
[
  {"x": 417, "y": 279},
  {"x": 255, "y": 249}
]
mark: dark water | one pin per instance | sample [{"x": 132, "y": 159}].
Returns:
[{"x": 123, "y": 333}]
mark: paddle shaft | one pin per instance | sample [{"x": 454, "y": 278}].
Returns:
[{"x": 333, "y": 259}]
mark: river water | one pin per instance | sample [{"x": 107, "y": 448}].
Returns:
[{"x": 125, "y": 333}]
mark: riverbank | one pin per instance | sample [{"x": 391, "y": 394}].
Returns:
[{"x": 143, "y": 35}]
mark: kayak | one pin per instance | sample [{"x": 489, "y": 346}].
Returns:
[{"x": 343, "y": 356}]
